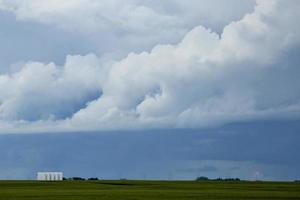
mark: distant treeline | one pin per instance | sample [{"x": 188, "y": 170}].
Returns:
[
  {"x": 204, "y": 178},
  {"x": 201, "y": 178},
  {"x": 81, "y": 179}
]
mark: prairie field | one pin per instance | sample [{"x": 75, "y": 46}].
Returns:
[{"x": 147, "y": 190}]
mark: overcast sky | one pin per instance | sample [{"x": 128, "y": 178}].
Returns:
[{"x": 129, "y": 70}]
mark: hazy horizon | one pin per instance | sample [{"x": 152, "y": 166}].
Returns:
[{"x": 150, "y": 89}]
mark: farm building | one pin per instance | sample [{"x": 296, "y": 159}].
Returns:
[{"x": 49, "y": 176}]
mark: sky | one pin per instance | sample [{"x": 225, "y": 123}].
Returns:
[{"x": 150, "y": 89}]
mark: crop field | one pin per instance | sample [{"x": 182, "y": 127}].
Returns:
[{"x": 135, "y": 190}]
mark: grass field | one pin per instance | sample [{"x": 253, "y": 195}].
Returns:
[{"x": 134, "y": 190}]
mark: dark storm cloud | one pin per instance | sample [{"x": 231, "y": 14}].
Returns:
[{"x": 235, "y": 150}]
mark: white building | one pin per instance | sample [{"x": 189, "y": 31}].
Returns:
[{"x": 49, "y": 176}]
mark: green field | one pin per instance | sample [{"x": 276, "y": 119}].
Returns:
[{"x": 134, "y": 190}]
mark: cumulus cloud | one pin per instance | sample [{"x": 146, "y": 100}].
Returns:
[
  {"x": 46, "y": 91},
  {"x": 248, "y": 72}
]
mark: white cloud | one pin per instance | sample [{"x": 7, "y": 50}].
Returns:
[
  {"x": 132, "y": 25},
  {"x": 88, "y": 15},
  {"x": 130, "y": 15},
  {"x": 48, "y": 92},
  {"x": 247, "y": 73}
]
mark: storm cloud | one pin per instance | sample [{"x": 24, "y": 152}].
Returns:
[{"x": 247, "y": 72}]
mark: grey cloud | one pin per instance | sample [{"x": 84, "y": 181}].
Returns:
[
  {"x": 207, "y": 79},
  {"x": 236, "y": 150},
  {"x": 131, "y": 25},
  {"x": 128, "y": 16},
  {"x": 24, "y": 41},
  {"x": 204, "y": 169}
]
